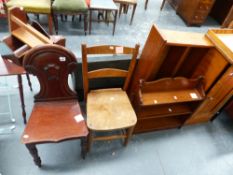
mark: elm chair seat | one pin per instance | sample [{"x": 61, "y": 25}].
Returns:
[
  {"x": 32, "y": 6},
  {"x": 109, "y": 109}
]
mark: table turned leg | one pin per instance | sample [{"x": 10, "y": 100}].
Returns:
[
  {"x": 22, "y": 98},
  {"x": 50, "y": 23},
  {"x": 90, "y": 19},
  {"x": 146, "y": 3},
  {"x": 120, "y": 9},
  {"x": 29, "y": 81},
  {"x": 133, "y": 12},
  {"x": 114, "y": 23},
  {"x": 161, "y": 8},
  {"x": 34, "y": 153},
  {"x": 85, "y": 24}
]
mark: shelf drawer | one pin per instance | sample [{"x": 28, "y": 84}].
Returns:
[
  {"x": 163, "y": 110},
  {"x": 207, "y": 1},
  {"x": 204, "y": 7},
  {"x": 146, "y": 125},
  {"x": 199, "y": 17}
]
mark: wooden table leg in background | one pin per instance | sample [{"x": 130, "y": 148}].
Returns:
[
  {"x": 114, "y": 23},
  {"x": 90, "y": 19},
  {"x": 50, "y": 23},
  {"x": 22, "y": 98},
  {"x": 134, "y": 8}
]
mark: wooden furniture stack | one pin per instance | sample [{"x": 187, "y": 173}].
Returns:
[
  {"x": 195, "y": 12},
  {"x": 179, "y": 78},
  {"x": 24, "y": 35}
]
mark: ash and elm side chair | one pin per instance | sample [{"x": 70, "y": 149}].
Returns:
[
  {"x": 35, "y": 7},
  {"x": 70, "y": 7},
  {"x": 108, "y": 109},
  {"x": 56, "y": 115}
]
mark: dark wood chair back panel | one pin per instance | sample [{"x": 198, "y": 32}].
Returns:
[{"x": 52, "y": 65}]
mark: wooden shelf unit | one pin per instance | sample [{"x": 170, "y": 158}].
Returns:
[
  {"x": 170, "y": 90},
  {"x": 170, "y": 54}
]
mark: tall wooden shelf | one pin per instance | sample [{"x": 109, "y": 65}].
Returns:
[{"x": 170, "y": 54}]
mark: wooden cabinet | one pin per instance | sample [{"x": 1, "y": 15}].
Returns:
[
  {"x": 168, "y": 55},
  {"x": 174, "y": 3},
  {"x": 194, "y": 12},
  {"x": 222, "y": 11}
]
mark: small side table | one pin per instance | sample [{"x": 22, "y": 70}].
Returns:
[
  {"x": 8, "y": 68},
  {"x": 107, "y": 6},
  {"x": 124, "y": 4}
]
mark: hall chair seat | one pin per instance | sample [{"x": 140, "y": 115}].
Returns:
[{"x": 49, "y": 120}]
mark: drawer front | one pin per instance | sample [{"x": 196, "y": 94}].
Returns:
[
  {"x": 198, "y": 18},
  {"x": 207, "y": 1},
  {"x": 204, "y": 7},
  {"x": 163, "y": 110}
]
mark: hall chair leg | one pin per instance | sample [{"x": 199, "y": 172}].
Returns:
[{"x": 34, "y": 153}]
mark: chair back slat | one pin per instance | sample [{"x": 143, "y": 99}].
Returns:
[
  {"x": 52, "y": 65},
  {"x": 109, "y": 49},
  {"x": 107, "y": 72}
]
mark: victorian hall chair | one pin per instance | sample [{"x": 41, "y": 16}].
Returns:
[
  {"x": 56, "y": 115},
  {"x": 108, "y": 109}
]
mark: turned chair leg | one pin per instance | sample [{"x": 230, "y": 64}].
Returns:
[
  {"x": 90, "y": 140},
  {"x": 129, "y": 135},
  {"x": 83, "y": 147},
  {"x": 34, "y": 153}
]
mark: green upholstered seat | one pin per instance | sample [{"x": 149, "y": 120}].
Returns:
[
  {"x": 69, "y": 6},
  {"x": 32, "y": 6}
]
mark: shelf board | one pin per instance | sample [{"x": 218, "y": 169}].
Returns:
[
  {"x": 157, "y": 98},
  {"x": 222, "y": 39}
]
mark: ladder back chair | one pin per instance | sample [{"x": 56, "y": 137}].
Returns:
[
  {"x": 108, "y": 109},
  {"x": 56, "y": 115}
]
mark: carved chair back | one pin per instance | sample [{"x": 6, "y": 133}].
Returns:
[{"x": 51, "y": 64}]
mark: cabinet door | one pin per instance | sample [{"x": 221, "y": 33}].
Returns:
[{"x": 216, "y": 98}]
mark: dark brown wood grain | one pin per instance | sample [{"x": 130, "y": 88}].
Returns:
[{"x": 57, "y": 116}]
